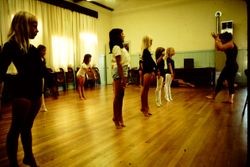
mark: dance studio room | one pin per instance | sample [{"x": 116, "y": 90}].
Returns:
[{"x": 124, "y": 83}]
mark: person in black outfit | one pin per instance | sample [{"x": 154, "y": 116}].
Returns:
[
  {"x": 160, "y": 58},
  {"x": 42, "y": 51},
  {"x": 224, "y": 42},
  {"x": 27, "y": 85},
  {"x": 149, "y": 69},
  {"x": 170, "y": 80}
]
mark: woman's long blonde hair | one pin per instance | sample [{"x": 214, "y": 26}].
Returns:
[{"x": 19, "y": 29}]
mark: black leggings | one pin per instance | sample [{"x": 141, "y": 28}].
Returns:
[
  {"x": 24, "y": 112},
  {"x": 229, "y": 74}
]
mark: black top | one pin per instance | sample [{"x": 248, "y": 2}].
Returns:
[
  {"x": 149, "y": 65},
  {"x": 231, "y": 55},
  {"x": 160, "y": 66},
  {"x": 30, "y": 70},
  {"x": 170, "y": 61}
]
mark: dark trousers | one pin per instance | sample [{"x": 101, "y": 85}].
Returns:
[
  {"x": 24, "y": 112},
  {"x": 229, "y": 74}
]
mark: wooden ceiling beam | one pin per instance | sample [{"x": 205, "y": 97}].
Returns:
[
  {"x": 72, "y": 6},
  {"x": 96, "y": 3}
]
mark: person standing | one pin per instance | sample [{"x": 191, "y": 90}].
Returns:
[
  {"x": 149, "y": 68},
  {"x": 224, "y": 42},
  {"x": 160, "y": 57},
  {"x": 140, "y": 72},
  {"x": 27, "y": 87},
  {"x": 120, "y": 65},
  {"x": 42, "y": 52},
  {"x": 81, "y": 75},
  {"x": 170, "y": 73},
  {"x": 170, "y": 78}
]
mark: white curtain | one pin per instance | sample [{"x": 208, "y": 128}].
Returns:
[{"x": 67, "y": 35}]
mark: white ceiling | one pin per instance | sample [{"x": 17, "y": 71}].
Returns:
[
  {"x": 125, "y": 5},
  {"x": 121, "y": 5}
]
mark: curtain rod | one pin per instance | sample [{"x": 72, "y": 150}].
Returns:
[{"x": 72, "y": 7}]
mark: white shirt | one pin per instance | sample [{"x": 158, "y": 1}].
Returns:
[
  {"x": 125, "y": 58},
  {"x": 83, "y": 69}
]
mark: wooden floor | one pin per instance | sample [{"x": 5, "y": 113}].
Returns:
[{"x": 190, "y": 131}]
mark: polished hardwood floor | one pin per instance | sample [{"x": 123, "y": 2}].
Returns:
[{"x": 190, "y": 131}]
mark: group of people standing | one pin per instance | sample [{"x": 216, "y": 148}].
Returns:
[
  {"x": 156, "y": 69},
  {"x": 149, "y": 69},
  {"x": 31, "y": 69}
]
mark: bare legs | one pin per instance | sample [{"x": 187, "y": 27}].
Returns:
[
  {"x": 144, "y": 94},
  {"x": 119, "y": 90},
  {"x": 80, "y": 87},
  {"x": 43, "y": 106},
  {"x": 181, "y": 82},
  {"x": 141, "y": 78},
  {"x": 229, "y": 100},
  {"x": 229, "y": 76},
  {"x": 24, "y": 112}
]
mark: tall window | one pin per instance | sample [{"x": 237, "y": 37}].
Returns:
[
  {"x": 68, "y": 35},
  {"x": 89, "y": 43},
  {"x": 62, "y": 50}
]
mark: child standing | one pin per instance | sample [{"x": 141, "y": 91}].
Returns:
[
  {"x": 160, "y": 57},
  {"x": 170, "y": 73}
]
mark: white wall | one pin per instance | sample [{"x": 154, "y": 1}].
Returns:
[
  {"x": 104, "y": 25},
  {"x": 185, "y": 26}
]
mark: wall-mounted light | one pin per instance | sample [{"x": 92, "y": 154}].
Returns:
[{"x": 218, "y": 14}]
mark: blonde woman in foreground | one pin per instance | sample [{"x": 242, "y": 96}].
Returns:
[{"x": 27, "y": 89}]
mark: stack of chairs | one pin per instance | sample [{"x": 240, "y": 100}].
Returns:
[
  {"x": 61, "y": 79},
  {"x": 50, "y": 87},
  {"x": 91, "y": 81},
  {"x": 56, "y": 79},
  {"x": 97, "y": 74},
  {"x": 70, "y": 78}
]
